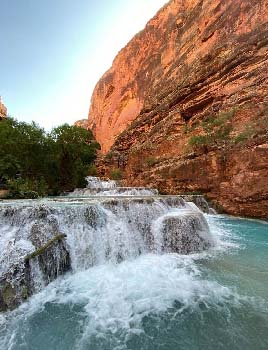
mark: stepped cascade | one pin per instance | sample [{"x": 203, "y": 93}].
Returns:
[
  {"x": 109, "y": 267},
  {"x": 104, "y": 223}
]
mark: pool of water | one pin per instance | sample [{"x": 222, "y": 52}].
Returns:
[{"x": 214, "y": 300}]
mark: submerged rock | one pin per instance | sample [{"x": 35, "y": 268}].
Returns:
[
  {"x": 95, "y": 217},
  {"x": 14, "y": 289},
  {"x": 53, "y": 258},
  {"x": 185, "y": 234}
]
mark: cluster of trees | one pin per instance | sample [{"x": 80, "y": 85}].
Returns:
[{"x": 35, "y": 163}]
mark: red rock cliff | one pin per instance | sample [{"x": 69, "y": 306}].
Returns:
[
  {"x": 82, "y": 123},
  {"x": 196, "y": 61},
  {"x": 3, "y": 110}
]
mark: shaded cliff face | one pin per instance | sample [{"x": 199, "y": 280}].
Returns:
[{"x": 199, "y": 68}]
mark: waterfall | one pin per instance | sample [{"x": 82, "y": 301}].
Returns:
[
  {"x": 98, "y": 187},
  {"x": 42, "y": 239},
  {"x": 118, "y": 191},
  {"x": 97, "y": 183}
]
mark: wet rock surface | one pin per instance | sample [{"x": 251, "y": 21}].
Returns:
[
  {"x": 18, "y": 284},
  {"x": 183, "y": 234}
]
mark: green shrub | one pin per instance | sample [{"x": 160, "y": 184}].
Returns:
[
  {"x": 150, "y": 161},
  {"x": 109, "y": 155},
  {"x": 92, "y": 170},
  {"x": 199, "y": 140},
  {"x": 187, "y": 128},
  {"x": 27, "y": 188},
  {"x": 116, "y": 174},
  {"x": 14, "y": 194},
  {"x": 242, "y": 137},
  {"x": 216, "y": 130}
]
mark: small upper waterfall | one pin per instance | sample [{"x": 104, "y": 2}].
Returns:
[
  {"x": 96, "y": 186},
  {"x": 97, "y": 183},
  {"x": 42, "y": 239}
]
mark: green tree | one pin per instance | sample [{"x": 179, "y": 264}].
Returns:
[
  {"x": 75, "y": 150},
  {"x": 51, "y": 163},
  {"x": 21, "y": 147}
]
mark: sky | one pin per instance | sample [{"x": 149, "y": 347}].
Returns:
[{"x": 53, "y": 52}]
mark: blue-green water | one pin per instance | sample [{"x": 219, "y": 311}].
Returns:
[{"x": 215, "y": 300}]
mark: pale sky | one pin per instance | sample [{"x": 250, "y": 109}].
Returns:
[{"x": 53, "y": 52}]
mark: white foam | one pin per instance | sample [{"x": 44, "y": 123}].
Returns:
[
  {"x": 224, "y": 238},
  {"x": 118, "y": 297}
]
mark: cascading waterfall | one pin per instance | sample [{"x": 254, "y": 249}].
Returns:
[
  {"x": 117, "y": 268},
  {"x": 97, "y": 183},
  {"x": 41, "y": 240},
  {"x": 119, "y": 191},
  {"x": 98, "y": 187}
]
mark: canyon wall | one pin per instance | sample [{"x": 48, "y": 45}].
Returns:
[
  {"x": 82, "y": 123},
  {"x": 185, "y": 104},
  {"x": 3, "y": 110}
]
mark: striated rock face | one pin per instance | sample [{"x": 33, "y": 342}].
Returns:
[
  {"x": 82, "y": 123},
  {"x": 196, "y": 60}
]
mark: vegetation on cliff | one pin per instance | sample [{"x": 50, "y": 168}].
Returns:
[
  {"x": 35, "y": 163},
  {"x": 214, "y": 130},
  {"x": 186, "y": 104},
  {"x": 219, "y": 130}
]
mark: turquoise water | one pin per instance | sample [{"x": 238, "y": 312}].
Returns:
[{"x": 215, "y": 300}]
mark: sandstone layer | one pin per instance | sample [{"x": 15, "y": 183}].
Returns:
[
  {"x": 195, "y": 61},
  {"x": 82, "y": 123},
  {"x": 3, "y": 110}
]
